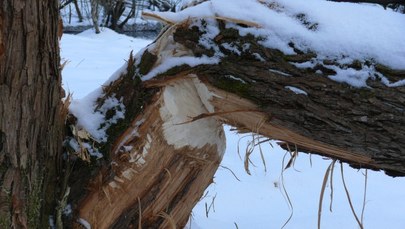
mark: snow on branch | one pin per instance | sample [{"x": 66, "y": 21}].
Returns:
[{"x": 353, "y": 43}]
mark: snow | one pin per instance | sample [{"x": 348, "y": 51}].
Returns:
[
  {"x": 177, "y": 61},
  {"x": 258, "y": 201},
  {"x": 90, "y": 118},
  {"x": 231, "y": 48},
  {"x": 279, "y": 72},
  {"x": 235, "y": 78},
  {"x": 86, "y": 70},
  {"x": 84, "y": 223},
  {"x": 87, "y": 62},
  {"x": 356, "y": 78},
  {"x": 296, "y": 90},
  {"x": 343, "y": 32}
]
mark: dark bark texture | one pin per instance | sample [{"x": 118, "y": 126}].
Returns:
[
  {"x": 31, "y": 127},
  {"x": 365, "y": 122}
]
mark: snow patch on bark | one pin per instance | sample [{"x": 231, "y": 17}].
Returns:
[
  {"x": 183, "y": 101},
  {"x": 296, "y": 90},
  {"x": 84, "y": 223}
]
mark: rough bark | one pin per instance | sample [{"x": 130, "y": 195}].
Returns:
[
  {"x": 31, "y": 127},
  {"x": 356, "y": 122}
]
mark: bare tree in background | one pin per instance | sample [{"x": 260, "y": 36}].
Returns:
[{"x": 95, "y": 15}]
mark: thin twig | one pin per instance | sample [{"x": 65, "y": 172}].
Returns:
[
  {"x": 364, "y": 197},
  {"x": 348, "y": 198},
  {"x": 247, "y": 159},
  {"x": 230, "y": 170},
  {"x": 263, "y": 141},
  {"x": 140, "y": 214},
  {"x": 240, "y": 157},
  {"x": 286, "y": 193},
  {"x": 262, "y": 157},
  {"x": 331, "y": 186},
  {"x": 212, "y": 205},
  {"x": 207, "y": 115},
  {"x": 325, "y": 181}
]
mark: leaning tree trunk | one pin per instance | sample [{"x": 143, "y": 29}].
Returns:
[
  {"x": 31, "y": 127},
  {"x": 155, "y": 168},
  {"x": 162, "y": 154}
]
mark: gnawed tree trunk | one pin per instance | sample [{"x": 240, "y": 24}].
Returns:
[
  {"x": 31, "y": 123},
  {"x": 158, "y": 167},
  {"x": 163, "y": 154}
]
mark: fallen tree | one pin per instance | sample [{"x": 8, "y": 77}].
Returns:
[{"x": 162, "y": 138}]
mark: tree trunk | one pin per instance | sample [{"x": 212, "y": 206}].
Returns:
[
  {"x": 31, "y": 123},
  {"x": 95, "y": 15},
  {"x": 79, "y": 13},
  {"x": 162, "y": 155},
  {"x": 154, "y": 171}
]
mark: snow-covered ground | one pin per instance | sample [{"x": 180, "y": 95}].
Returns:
[{"x": 259, "y": 200}]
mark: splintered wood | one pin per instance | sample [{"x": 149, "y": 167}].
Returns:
[{"x": 152, "y": 177}]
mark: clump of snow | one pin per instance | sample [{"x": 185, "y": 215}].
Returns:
[
  {"x": 353, "y": 77},
  {"x": 396, "y": 84},
  {"x": 279, "y": 72},
  {"x": 170, "y": 54},
  {"x": 84, "y": 223},
  {"x": 67, "y": 210},
  {"x": 258, "y": 57},
  {"x": 91, "y": 150},
  {"x": 235, "y": 78},
  {"x": 296, "y": 90},
  {"x": 87, "y": 118},
  {"x": 177, "y": 61},
  {"x": 306, "y": 64},
  {"x": 232, "y": 48},
  {"x": 343, "y": 32},
  {"x": 211, "y": 30},
  {"x": 93, "y": 119}
]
